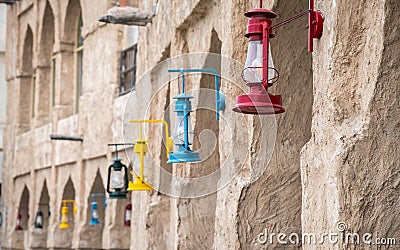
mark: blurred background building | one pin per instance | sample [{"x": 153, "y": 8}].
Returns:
[{"x": 3, "y": 83}]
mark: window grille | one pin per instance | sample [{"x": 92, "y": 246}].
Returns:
[{"x": 127, "y": 76}]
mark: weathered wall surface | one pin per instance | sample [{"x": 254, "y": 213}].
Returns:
[
  {"x": 273, "y": 203},
  {"x": 334, "y": 156},
  {"x": 350, "y": 167}
]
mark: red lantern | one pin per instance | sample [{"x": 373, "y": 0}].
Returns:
[
  {"x": 18, "y": 227},
  {"x": 259, "y": 72},
  {"x": 128, "y": 215}
]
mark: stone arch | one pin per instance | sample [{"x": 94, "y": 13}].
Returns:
[
  {"x": 74, "y": 11},
  {"x": 25, "y": 85},
  {"x": 69, "y": 73},
  {"x": 39, "y": 235},
  {"x": 98, "y": 188},
  {"x": 69, "y": 194},
  {"x": 23, "y": 208},
  {"x": 63, "y": 236},
  {"x": 46, "y": 66},
  {"x": 91, "y": 236},
  {"x": 43, "y": 204}
]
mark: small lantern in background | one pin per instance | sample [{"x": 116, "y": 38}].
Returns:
[
  {"x": 259, "y": 72},
  {"x": 140, "y": 150},
  {"x": 117, "y": 182},
  {"x": 183, "y": 135},
  {"x": 2, "y": 220},
  {"x": 95, "y": 214},
  {"x": 39, "y": 219},
  {"x": 128, "y": 215},
  {"x": 64, "y": 213},
  {"x": 18, "y": 226},
  {"x": 94, "y": 209}
]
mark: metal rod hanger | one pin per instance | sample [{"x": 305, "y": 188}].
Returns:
[
  {"x": 119, "y": 144},
  {"x": 93, "y": 196},
  {"x": 200, "y": 70},
  {"x": 65, "y": 138},
  {"x": 280, "y": 24},
  {"x": 98, "y": 195}
]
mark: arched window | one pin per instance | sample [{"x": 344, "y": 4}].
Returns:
[
  {"x": 26, "y": 85},
  {"x": 79, "y": 61},
  {"x": 23, "y": 209},
  {"x": 45, "y": 69},
  {"x": 71, "y": 57}
]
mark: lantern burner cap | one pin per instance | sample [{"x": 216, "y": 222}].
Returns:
[
  {"x": 259, "y": 104},
  {"x": 260, "y": 12}
]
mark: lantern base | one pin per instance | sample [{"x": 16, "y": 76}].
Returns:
[
  {"x": 139, "y": 185},
  {"x": 117, "y": 195},
  {"x": 259, "y": 104},
  {"x": 94, "y": 222},
  {"x": 64, "y": 225},
  {"x": 183, "y": 155}
]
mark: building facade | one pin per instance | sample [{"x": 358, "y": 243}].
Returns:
[
  {"x": 3, "y": 84},
  {"x": 335, "y": 151}
]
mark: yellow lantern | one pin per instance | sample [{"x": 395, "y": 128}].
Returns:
[
  {"x": 140, "y": 150},
  {"x": 64, "y": 213}
]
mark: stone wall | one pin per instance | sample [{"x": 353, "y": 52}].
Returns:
[{"x": 332, "y": 156}]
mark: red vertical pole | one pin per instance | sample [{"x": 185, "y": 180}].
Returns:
[
  {"x": 265, "y": 43},
  {"x": 261, "y": 4},
  {"x": 310, "y": 26}
]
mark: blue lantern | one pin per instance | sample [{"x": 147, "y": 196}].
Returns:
[
  {"x": 183, "y": 134},
  {"x": 95, "y": 209},
  {"x": 2, "y": 207},
  {"x": 95, "y": 214}
]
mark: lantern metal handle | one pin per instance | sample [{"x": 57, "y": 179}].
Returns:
[
  {"x": 75, "y": 209},
  {"x": 219, "y": 99},
  {"x": 109, "y": 177},
  {"x": 41, "y": 204},
  {"x": 126, "y": 177},
  {"x": 92, "y": 196},
  {"x": 168, "y": 144}
]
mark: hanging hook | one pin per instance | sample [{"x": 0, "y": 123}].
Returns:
[{"x": 119, "y": 144}]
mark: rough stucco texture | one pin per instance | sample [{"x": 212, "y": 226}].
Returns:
[{"x": 350, "y": 168}]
